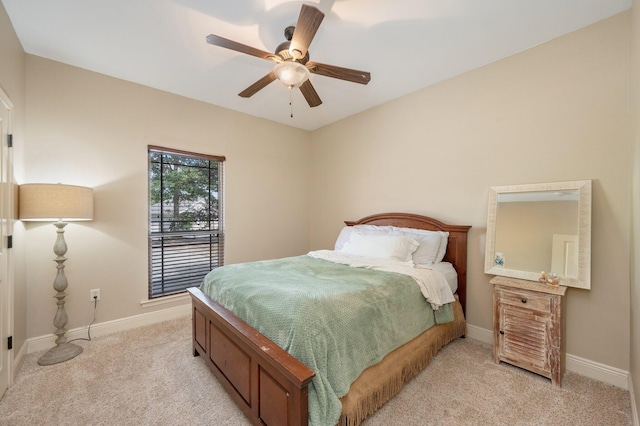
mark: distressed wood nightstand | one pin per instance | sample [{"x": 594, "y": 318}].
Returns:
[{"x": 528, "y": 326}]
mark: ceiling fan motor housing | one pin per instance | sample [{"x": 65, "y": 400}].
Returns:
[{"x": 283, "y": 48}]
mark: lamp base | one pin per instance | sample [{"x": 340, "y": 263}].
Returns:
[{"x": 60, "y": 353}]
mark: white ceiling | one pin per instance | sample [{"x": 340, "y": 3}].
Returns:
[{"x": 406, "y": 45}]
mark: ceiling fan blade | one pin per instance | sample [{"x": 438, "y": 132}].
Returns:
[
  {"x": 239, "y": 47},
  {"x": 310, "y": 94},
  {"x": 354, "y": 76},
  {"x": 258, "y": 85},
  {"x": 308, "y": 23}
]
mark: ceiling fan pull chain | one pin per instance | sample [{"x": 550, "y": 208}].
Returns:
[{"x": 291, "y": 100}]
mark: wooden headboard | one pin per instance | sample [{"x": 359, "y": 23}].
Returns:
[{"x": 456, "y": 247}]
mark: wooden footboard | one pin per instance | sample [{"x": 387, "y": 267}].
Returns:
[{"x": 265, "y": 381}]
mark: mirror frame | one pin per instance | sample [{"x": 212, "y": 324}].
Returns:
[{"x": 583, "y": 280}]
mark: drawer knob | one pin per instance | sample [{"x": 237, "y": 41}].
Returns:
[
  {"x": 524, "y": 300},
  {"x": 501, "y": 332}
]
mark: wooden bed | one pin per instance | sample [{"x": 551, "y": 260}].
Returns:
[{"x": 270, "y": 385}]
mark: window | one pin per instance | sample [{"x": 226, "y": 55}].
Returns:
[{"x": 186, "y": 228}]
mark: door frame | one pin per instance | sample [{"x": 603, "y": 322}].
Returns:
[{"x": 7, "y": 209}]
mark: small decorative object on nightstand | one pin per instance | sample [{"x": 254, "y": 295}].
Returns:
[{"x": 528, "y": 326}]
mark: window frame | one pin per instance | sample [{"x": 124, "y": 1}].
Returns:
[{"x": 176, "y": 247}]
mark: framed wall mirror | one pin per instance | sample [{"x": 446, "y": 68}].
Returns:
[{"x": 540, "y": 227}]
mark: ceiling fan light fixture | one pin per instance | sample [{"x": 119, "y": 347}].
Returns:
[{"x": 291, "y": 73}]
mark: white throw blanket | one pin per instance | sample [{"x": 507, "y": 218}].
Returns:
[{"x": 433, "y": 285}]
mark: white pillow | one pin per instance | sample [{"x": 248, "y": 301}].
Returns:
[
  {"x": 426, "y": 254},
  {"x": 394, "y": 247},
  {"x": 345, "y": 233},
  {"x": 433, "y": 244},
  {"x": 442, "y": 250},
  {"x": 427, "y": 250},
  {"x": 343, "y": 237}
]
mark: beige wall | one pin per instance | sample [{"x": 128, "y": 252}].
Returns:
[
  {"x": 88, "y": 129},
  {"x": 557, "y": 112},
  {"x": 12, "y": 82},
  {"x": 635, "y": 258}
]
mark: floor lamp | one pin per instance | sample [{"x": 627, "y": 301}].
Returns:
[{"x": 61, "y": 203}]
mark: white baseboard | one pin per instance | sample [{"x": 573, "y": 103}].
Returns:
[
  {"x": 594, "y": 370},
  {"x": 41, "y": 343},
  {"x": 481, "y": 334},
  {"x": 17, "y": 361},
  {"x": 634, "y": 407}
]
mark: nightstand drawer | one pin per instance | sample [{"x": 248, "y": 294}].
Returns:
[{"x": 526, "y": 299}]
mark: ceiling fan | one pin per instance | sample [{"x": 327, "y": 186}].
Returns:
[{"x": 292, "y": 59}]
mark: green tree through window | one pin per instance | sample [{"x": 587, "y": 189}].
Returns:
[{"x": 186, "y": 238}]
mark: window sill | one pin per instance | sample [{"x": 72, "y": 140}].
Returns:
[{"x": 164, "y": 300}]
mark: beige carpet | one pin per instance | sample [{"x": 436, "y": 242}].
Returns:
[{"x": 148, "y": 376}]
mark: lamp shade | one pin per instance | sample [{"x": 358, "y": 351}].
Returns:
[{"x": 51, "y": 202}]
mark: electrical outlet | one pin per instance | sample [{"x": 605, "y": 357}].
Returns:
[{"x": 95, "y": 294}]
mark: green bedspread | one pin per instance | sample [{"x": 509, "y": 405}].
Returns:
[{"x": 337, "y": 320}]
